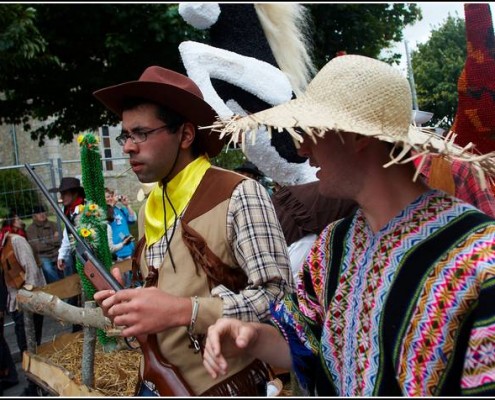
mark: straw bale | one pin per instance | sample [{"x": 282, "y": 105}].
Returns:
[{"x": 116, "y": 372}]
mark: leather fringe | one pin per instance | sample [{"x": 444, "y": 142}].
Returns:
[{"x": 251, "y": 381}]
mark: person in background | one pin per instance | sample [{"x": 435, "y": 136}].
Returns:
[
  {"x": 44, "y": 238},
  {"x": 459, "y": 179},
  {"x": 72, "y": 196},
  {"x": 212, "y": 244},
  {"x": 397, "y": 299},
  {"x": 114, "y": 247},
  {"x": 8, "y": 370},
  {"x": 252, "y": 171},
  {"x": 20, "y": 270},
  {"x": 122, "y": 216},
  {"x": 119, "y": 216}
]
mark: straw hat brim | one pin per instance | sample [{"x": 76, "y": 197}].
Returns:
[
  {"x": 354, "y": 94},
  {"x": 316, "y": 121}
]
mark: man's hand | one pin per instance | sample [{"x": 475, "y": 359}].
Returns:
[
  {"x": 228, "y": 337},
  {"x": 144, "y": 310},
  {"x": 127, "y": 240},
  {"x": 61, "y": 264}
]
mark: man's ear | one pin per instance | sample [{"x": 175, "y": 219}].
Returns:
[{"x": 188, "y": 135}]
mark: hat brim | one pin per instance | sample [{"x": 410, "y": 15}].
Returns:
[
  {"x": 316, "y": 121},
  {"x": 304, "y": 114},
  {"x": 184, "y": 103}
]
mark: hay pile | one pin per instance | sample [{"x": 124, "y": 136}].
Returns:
[{"x": 115, "y": 372}]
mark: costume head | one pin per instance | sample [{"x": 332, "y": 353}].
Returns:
[
  {"x": 258, "y": 56},
  {"x": 355, "y": 94},
  {"x": 169, "y": 89},
  {"x": 475, "y": 117}
]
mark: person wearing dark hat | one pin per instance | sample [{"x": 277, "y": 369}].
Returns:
[
  {"x": 396, "y": 299},
  {"x": 44, "y": 238},
  {"x": 72, "y": 196},
  {"x": 212, "y": 243},
  {"x": 250, "y": 170}
]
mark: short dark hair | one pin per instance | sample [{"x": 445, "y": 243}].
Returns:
[{"x": 173, "y": 119}]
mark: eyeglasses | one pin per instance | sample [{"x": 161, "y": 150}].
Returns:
[{"x": 136, "y": 136}]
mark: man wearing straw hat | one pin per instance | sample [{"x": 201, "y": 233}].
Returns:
[
  {"x": 397, "y": 299},
  {"x": 212, "y": 243}
]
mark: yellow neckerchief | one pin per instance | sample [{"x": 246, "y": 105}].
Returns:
[{"x": 180, "y": 190}]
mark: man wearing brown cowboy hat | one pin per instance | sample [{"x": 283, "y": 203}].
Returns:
[
  {"x": 72, "y": 196},
  {"x": 398, "y": 298},
  {"x": 212, "y": 243}
]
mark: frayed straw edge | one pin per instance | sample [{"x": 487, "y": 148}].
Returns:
[{"x": 483, "y": 163}]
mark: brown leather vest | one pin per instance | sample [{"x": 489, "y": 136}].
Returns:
[
  {"x": 13, "y": 271},
  {"x": 216, "y": 186}
]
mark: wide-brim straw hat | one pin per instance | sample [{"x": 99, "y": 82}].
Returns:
[
  {"x": 357, "y": 94},
  {"x": 175, "y": 91}
]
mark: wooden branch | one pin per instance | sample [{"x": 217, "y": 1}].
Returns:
[
  {"x": 30, "y": 331},
  {"x": 48, "y": 304},
  {"x": 88, "y": 353}
]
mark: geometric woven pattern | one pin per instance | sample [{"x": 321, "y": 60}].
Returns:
[{"x": 367, "y": 350}]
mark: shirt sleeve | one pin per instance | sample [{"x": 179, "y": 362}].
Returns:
[
  {"x": 130, "y": 214},
  {"x": 113, "y": 247},
  {"x": 65, "y": 248},
  {"x": 259, "y": 247},
  {"x": 25, "y": 256}
]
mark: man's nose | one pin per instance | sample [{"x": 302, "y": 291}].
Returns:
[{"x": 129, "y": 147}]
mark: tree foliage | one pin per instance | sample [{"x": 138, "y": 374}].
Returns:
[
  {"x": 19, "y": 191},
  {"x": 437, "y": 65},
  {"x": 21, "y": 43},
  {"x": 364, "y": 29},
  {"x": 95, "y": 45},
  {"x": 64, "y": 52}
]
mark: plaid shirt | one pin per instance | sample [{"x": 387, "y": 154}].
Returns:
[
  {"x": 258, "y": 245},
  {"x": 468, "y": 186}
]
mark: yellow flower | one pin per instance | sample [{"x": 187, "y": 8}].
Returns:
[
  {"x": 85, "y": 232},
  {"x": 93, "y": 207},
  {"x": 80, "y": 138}
]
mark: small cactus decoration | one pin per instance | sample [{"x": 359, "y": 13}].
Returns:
[{"x": 91, "y": 224}]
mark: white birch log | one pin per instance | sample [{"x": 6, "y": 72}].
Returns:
[{"x": 48, "y": 304}]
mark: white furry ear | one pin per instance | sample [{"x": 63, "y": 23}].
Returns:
[
  {"x": 203, "y": 62},
  {"x": 199, "y": 15}
]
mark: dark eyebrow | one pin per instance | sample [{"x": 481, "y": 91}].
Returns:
[{"x": 134, "y": 130}]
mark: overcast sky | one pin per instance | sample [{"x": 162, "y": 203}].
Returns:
[{"x": 434, "y": 15}]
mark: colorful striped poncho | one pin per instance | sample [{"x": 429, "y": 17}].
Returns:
[{"x": 408, "y": 310}]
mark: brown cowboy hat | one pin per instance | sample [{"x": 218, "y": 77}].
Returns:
[
  {"x": 68, "y": 183},
  {"x": 172, "y": 90}
]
